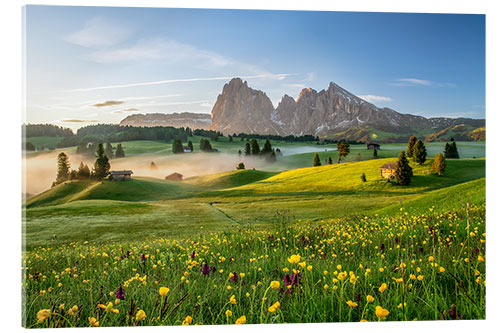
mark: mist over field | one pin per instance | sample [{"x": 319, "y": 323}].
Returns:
[{"x": 41, "y": 170}]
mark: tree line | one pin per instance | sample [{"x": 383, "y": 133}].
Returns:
[
  {"x": 31, "y": 130},
  {"x": 99, "y": 171},
  {"x": 269, "y": 153}
]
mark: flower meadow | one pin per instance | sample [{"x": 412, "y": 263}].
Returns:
[{"x": 428, "y": 266}]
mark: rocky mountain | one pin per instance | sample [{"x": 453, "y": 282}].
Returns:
[
  {"x": 184, "y": 119},
  {"x": 333, "y": 112},
  {"x": 241, "y": 109}
]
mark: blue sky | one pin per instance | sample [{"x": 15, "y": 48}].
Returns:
[{"x": 176, "y": 60}]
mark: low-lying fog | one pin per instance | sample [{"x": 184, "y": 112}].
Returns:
[{"x": 41, "y": 171}]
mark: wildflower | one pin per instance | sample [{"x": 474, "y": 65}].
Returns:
[
  {"x": 302, "y": 264},
  {"x": 187, "y": 321},
  {"x": 229, "y": 313},
  {"x": 399, "y": 280},
  {"x": 140, "y": 316},
  {"x": 431, "y": 258},
  {"x": 352, "y": 304},
  {"x": 229, "y": 287},
  {"x": 480, "y": 259},
  {"x": 120, "y": 293},
  {"x": 42, "y": 315},
  {"x": 441, "y": 269},
  {"x": 72, "y": 311},
  {"x": 93, "y": 322},
  {"x": 401, "y": 305},
  {"x": 242, "y": 275},
  {"x": 352, "y": 278},
  {"x": 241, "y": 320},
  {"x": 247, "y": 295},
  {"x": 412, "y": 277},
  {"x": 294, "y": 259},
  {"x": 383, "y": 287},
  {"x": 233, "y": 277},
  {"x": 205, "y": 269},
  {"x": 275, "y": 284},
  {"x": 163, "y": 291},
  {"x": 325, "y": 287},
  {"x": 274, "y": 307},
  {"x": 309, "y": 268},
  {"x": 380, "y": 312},
  {"x": 232, "y": 300},
  {"x": 370, "y": 299}
]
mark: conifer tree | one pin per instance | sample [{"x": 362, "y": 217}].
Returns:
[
  {"x": 119, "y": 151},
  {"x": 62, "y": 168},
  {"x": 268, "y": 149},
  {"x": 411, "y": 143},
  {"x": 240, "y": 166},
  {"x": 177, "y": 147},
  {"x": 190, "y": 145},
  {"x": 101, "y": 165},
  {"x": 255, "y": 147},
  {"x": 153, "y": 166},
  {"x": 248, "y": 150},
  {"x": 419, "y": 152},
  {"x": 330, "y": 160},
  {"x": 375, "y": 155},
  {"x": 109, "y": 150},
  {"x": 450, "y": 149},
  {"x": 271, "y": 158},
  {"x": 316, "y": 160},
  {"x": 342, "y": 149},
  {"x": 403, "y": 170},
  {"x": 83, "y": 171},
  {"x": 439, "y": 164}
]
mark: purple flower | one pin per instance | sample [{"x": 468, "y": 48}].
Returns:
[
  {"x": 205, "y": 269},
  {"x": 234, "y": 277},
  {"x": 143, "y": 259},
  {"x": 120, "y": 293},
  {"x": 382, "y": 247},
  {"x": 193, "y": 255}
]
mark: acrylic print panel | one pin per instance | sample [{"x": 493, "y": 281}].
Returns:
[{"x": 209, "y": 167}]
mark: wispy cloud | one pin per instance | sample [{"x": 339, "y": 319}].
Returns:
[
  {"x": 126, "y": 110},
  {"x": 151, "y": 83},
  {"x": 99, "y": 33},
  {"x": 375, "y": 98},
  {"x": 108, "y": 103},
  {"x": 79, "y": 121},
  {"x": 414, "y": 82}
]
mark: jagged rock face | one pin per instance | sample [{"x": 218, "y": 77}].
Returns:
[
  {"x": 184, "y": 119},
  {"x": 240, "y": 109}
]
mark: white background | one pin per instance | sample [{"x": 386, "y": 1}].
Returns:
[{"x": 10, "y": 131}]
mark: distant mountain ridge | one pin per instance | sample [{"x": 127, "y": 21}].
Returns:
[
  {"x": 184, "y": 119},
  {"x": 330, "y": 113}
]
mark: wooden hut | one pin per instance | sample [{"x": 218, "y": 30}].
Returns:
[
  {"x": 388, "y": 170},
  {"x": 372, "y": 145},
  {"x": 174, "y": 176},
  {"x": 120, "y": 175}
]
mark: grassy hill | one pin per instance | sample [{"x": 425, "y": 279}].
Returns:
[{"x": 229, "y": 179}]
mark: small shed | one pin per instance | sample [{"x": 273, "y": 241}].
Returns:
[
  {"x": 120, "y": 175},
  {"x": 174, "y": 176},
  {"x": 388, "y": 170},
  {"x": 372, "y": 145}
]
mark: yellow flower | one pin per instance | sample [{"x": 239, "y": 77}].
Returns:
[
  {"x": 42, "y": 315},
  {"x": 399, "y": 280},
  {"x": 420, "y": 277},
  {"x": 325, "y": 287},
  {"x": 241, "y": 320},
  {"x": 302, "y": 264},
  {"x": 401, "y": 305},
  {"x": 380, "y": 312},
  {"x": 480, "y": 258},
  {"x": 370, "y": 299},
  {"x": 242, "y": 275},
  {"x": 352, "y": 304},
  {"x": 247, "y": 295},
  {"x": 431, "y": 258},
  {"x": 232, "y": 300},
  {"x": 352, "y": 279},
  {"x": 363, "y": 321},
  {"x": 294, "y": 259},
  {"x": 229, "y": 313},
  {"x": 93, "y": 322},
  {"x": 163, "y": 291},
  {"x": 309, "y": 268},
  {"x": 412, "y": 277},
  {"x": 140, "y": 316},
  {"x": 275, "y": 284},
  {"x": 441, "y": 269},
  {"x": 187, "y": 321},
  {"x": 383, "y": 287},
  {"x": 274, "y": 307},
  {"x": 229, "y": 287}
]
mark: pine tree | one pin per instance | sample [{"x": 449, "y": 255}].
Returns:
[
  {"x": 255, "y": 147},
  {"x": 419, "y": 152},
  {"x": 239, "y": 153},
  {"x": 375, "y": 155},
  {"x": 119, "y": 151},
  {"x": 73, "y": 175},
  {"x": 268, "y": 149},
  {"x": 403, "y": 170},
  {"x": 450, "y": 149},
  {"x": 101, "y": 165},
  {"x": 248, "y": 150},
  {"x": 316, "y": 160},
  {"x": 109, "y": 150},
  {"x": 343, "y": 149},
  {"x": 230, "y": 138},
  {"x": 153, "y": 166},
  {"x": 411, "y": 143},
  {"x": 363, "y": 178},
  {"x": 439, "y": 164},
  {"x": 240, "y": 166},
  {"x": 330, "y": 160},
  {"x": 271, "y": 158},
  {"x": 190, "y": 145},
  {"x": 83, "y": 171},
  {"x": 62, "y": 168},
  {"x": 177, "y": 147}
]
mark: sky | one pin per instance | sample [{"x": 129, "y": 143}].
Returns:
[{"x": 87, "y": 65}]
